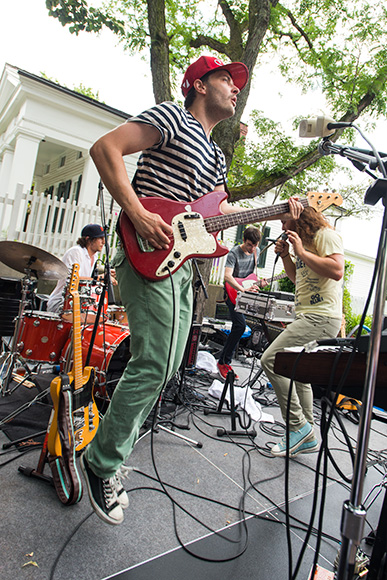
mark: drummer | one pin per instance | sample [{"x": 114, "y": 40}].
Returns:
[{"x": 85, "y": 253}]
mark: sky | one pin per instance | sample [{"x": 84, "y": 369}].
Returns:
[{"x": 32, "y": 40}]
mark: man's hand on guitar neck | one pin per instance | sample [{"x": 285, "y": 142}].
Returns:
[{"x": 295, "y": 210}]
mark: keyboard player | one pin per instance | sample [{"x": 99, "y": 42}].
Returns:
[{"x": 317, "y": 270}]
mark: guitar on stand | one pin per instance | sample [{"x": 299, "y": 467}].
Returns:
[{"x": 74, "y": 419}]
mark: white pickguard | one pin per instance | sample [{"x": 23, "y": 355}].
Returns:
[{"x": 198, "y": 241}]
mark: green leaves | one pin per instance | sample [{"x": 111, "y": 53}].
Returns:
[{"x": 81, "y": 17}]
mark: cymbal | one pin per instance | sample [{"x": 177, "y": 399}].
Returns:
[{"x": 23, "y": 257}]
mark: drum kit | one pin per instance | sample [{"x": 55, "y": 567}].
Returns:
[{"x": 43, "y": 339}]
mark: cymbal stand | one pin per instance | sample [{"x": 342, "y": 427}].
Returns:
[{"x": 8, "y": 359}]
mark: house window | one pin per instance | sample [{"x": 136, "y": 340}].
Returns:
[
  {"x": 47, "y": 169},
  {"x": 239, "y": 234},
  {"x": 79, "y": 155},
  {"x": 62, "y": 161},
  {"x": 265, "y": 234},
  {"x": 262, "y": 246},
  {"x": 63, "y": 192}
]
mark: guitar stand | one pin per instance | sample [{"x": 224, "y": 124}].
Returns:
[
  {"x": 39, "y": 471},
  {"x": 221, "y": 432}
]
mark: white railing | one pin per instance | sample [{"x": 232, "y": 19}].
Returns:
[{"x": 51, "y": 224}]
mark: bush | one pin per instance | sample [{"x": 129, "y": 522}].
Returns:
[{"x": 354, "y": 320}]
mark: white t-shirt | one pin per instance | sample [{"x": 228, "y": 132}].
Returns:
[{"x": 75, "y": 255}]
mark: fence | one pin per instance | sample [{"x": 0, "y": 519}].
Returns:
[{"x": 48, "y": 223}]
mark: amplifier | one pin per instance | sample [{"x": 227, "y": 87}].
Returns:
[{"x": 264, "y": 307}]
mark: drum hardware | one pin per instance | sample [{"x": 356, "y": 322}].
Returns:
[
  {"x": 117, "y": 314},
  {"x": 33, "y": 262}
]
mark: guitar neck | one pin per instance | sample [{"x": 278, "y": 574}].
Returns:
[
  {"x": 222, "y": 222},
  {"x": 77, "y": 346},
  {"x": 278, "y": 277}
]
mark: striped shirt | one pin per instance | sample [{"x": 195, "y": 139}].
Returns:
[{"x": 183, "y": 165}]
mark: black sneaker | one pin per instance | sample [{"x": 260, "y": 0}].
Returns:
[
  {"x": 122, "y": 496},
  {"x": 102, "y": 494}
]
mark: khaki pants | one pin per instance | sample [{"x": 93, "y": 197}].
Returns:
[
  {"x": 304, "y": 329},
  {"x": 159, "y": 318}
]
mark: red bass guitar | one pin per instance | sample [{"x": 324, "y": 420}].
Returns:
[{"x": 195, "y": 229}]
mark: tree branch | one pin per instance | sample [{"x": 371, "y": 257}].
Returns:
[
  {"x": 203, "y": 40},
  {"x": 300, "y": 30},
  {"x": 296, "y": 166}
]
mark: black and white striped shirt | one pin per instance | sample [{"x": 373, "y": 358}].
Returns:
[{"x": 183, "y": 165}]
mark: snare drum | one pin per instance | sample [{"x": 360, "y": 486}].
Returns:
[
  {"x": 109, "y": 356},
  {"x": 89, "y": 294},
  {"x": 117, "y": 314},
  {"x": 42, "y": 336}
]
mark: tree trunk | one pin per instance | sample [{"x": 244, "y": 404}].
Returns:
[
  {"x": 227, "y": 133},
  {"x": 159, "y": 51},
  {"x": 204, "y": 266}
]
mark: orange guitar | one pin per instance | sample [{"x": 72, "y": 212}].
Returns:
[
  {"x": 194, "y": 233},
  {"x": 247, "y": 283},
  {"x": 85, "y": 412}
]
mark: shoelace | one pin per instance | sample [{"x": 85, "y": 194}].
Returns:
[
  {"x": 123, "y": 472},
  {"x": 109, "y": 491}
]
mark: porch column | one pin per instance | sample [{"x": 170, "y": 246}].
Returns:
[
  {"x": 5, "y": 169},
  {"x": 24, "y": 161},
  {"x": 90, "y": 181}
]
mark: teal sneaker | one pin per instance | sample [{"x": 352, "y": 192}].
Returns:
[
  {"x": 310, "y": 446},
  {"x": 296, "y": 439}
]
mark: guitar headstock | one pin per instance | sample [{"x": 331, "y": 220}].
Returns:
[
  {"x": 320, "y": 201},
  {"x": 74, "y": 280}
]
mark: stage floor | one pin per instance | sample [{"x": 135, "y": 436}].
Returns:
[{"x": 224, "y": 501}]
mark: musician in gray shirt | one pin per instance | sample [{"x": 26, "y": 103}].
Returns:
[{"x": 241, "y": 262}]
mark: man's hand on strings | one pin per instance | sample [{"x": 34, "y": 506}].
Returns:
[{"x": 153, "y": 228}]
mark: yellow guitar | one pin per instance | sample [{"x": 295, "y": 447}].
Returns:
[{"x": 84, "y": 409}]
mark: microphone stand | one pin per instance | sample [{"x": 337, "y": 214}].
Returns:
[
  {"x": 354, "y": 513},
  {"x": 107, "y": 283}
]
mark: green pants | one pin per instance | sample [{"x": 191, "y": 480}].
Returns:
[
  {"x": 159, "y": 318},
  {"x": 304, "y": 329}
]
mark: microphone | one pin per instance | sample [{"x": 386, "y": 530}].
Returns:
[
  {"x": 273, "y": 240},
  {"x": 283, "y": 237},
  {"x": 319, "y": 127}
]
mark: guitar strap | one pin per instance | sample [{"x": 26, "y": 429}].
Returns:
[{"x": 64, "y": 469}]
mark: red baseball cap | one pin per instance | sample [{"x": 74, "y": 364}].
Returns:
[{"x": 205, "y": 64}]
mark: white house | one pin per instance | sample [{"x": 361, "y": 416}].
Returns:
[{"x": 46, "y": 131}]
